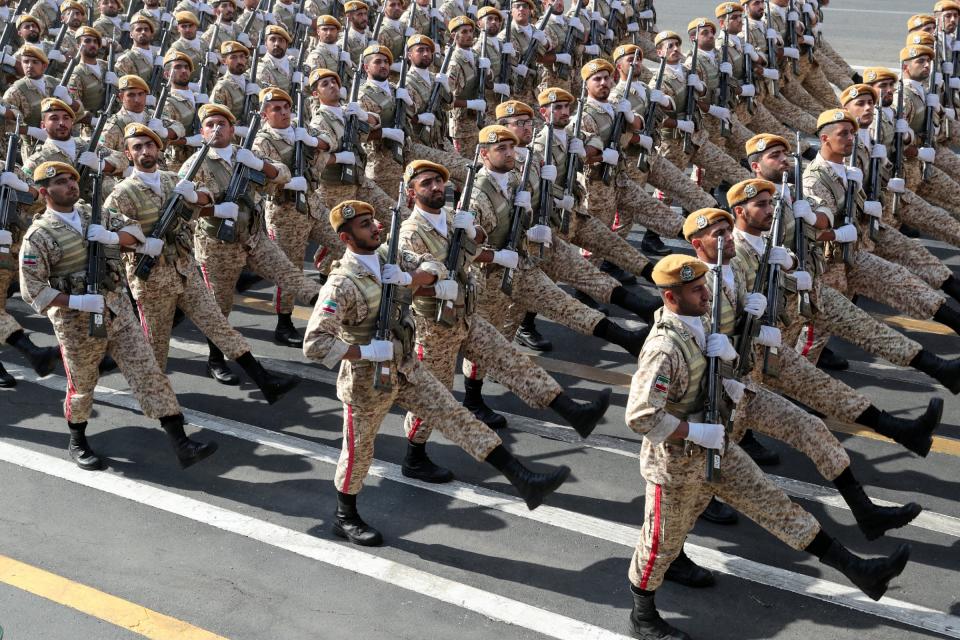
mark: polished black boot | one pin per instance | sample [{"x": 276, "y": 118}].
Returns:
[
  {"x": 273, "y": 385},
  {"x": 685, "y": 571},
  {"x": 763, "y": 456},
  {"x": 831, "y": 361},
  {"x": 42, "y": 359},
  {"x": 645, "y": 620},
  {"x": 719, "y": 513},
  {"x": 349, "y": 525},
  {"x": 528, "y": 336},
  {"x": 916, "y": 435},
  {"x": 582, "y": 417},
  {"x": 285, "y": 333},
  {"x": 178, "y": 317},
  {"x": 810, "y": 154},
  {"x": 7, "y": 381},
  {"x": 473, "y": 400},
  {"x": 651, "y": 244},
  {"x": 948, "y": 316},
  {"x": 588, "y": 301},
  {"x": 630, "y": 340},
  {"x": 642, "y": 305},
  {"x": 720, "y": 195},
  {"x": 946, "y": 372},
  {"x": 417, "y": 465},
  {"x": 79, "y": 449},
  {"x": 870, "y": 575},
  {"x": 857, "y": 78},
  {"x": 217, "y": 367},
  {"x": 107, "y": 364},
  {"x": 533, "y": 487},
  {"x": 189, "y": 452},
  {"x": 873, "y": 520},
  {"x": 951, "y": 287},
  {"x": 246, "y": 280},
  {"x": 620, "y": 275}
]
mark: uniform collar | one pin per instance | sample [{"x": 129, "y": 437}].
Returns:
[
  {"x": 370, "y": 262},
  {"x": 437, "y": 220}
]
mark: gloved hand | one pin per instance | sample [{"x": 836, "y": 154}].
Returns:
[
  {"x": 201, "y": 98},
  {"x": 501, "y": 88},
  {"x": 707, "y": 435},
  {"x": 251, "y": 89},
  {"x": 780, "y": 256},
  {"x": 392, "y": 274},
  {"x": 187, "y": 190},
  {"x": 194, "y": 141},
  {"x": 345, "y": 57},
  {"x": 769, "y": 337},
  {"x": 748, "y": 91},
  {"x": 686, "y": 126},
  {"x": 693, "y": 80},
  {"x": 771, "y": 74},
  {"x": 734, "y": 389},
  {"x": 902, "y": 126},
  {"x": 804, "y": 280},
  {"x": 241, "y": 131},
  {"x": 855, "y": 174},
  {"x": 926, "y": 154},
  {"x": 755, "y": 304},
  {"x": 719, "y": 346},
  {"x": 878, "y": 151},
  {"x": 443, "y": 80},
  {"x": 396, "y": 67},
  {"x": 645, "y": 15},
  {"x": 446, "y": 290},
  {"x": 377, "y": 351},
  {"x": 591, "y": 49},
  {"x": 726, "y": 68},
  {"x": 950, "y": 113},
  {"x": 566, "y": 203},
  {"x": 6, "y": 238},
  {"x": 345, "y": 157},
  {"x": 575, "y": 146},
  {"x": 548, "y": 172},
  {"x": 397, "y": 135},
  {"x": 99, "y": 233},
  {"x": 896, "y": 185},
  {"x": 521, "y": 70},
  {"x": 873, "y": 208},
  {"x": 303, "y": 19},
  {"x": 55, "y": 56},
  {"x": 660, "y": 98},
  {"x": 522, "y": 199},
  {"x": 151, "y": 101},
  {"x": 563, "y": 58},
  {"x": 845, "y": 234},
  {"x": 483, "y": 63},
  {"x": 10, "y": 179},
  {"x": 250, "y": 159},
  {"x": 539, "y": 36},
  {"x": 427, "y": 119},
  {"x": 802, "y": 211},
  {"x": 297, "y": 78},
  {"x": 539, "y": 234},
  {"x": 720, "y": 113},
  {"x": 506, "y": 258},
  {"x": 298, "y": 183},
  {"x": 111, "y": 78},
  {"x": 226, "y": 211},
  {"x": 954, "y": 83},
  {"x": 611, "y": 156},
  {"x": 624, "y": 107},
  {"x": 465, "y": 220},
  {"x": 300, "y": 134},
  {"x": 354, "y": 109},
  {"x": 633, "y": 27},
  {"x": 90, "y": 160},
  {"x": 88, "y": 302},
  {"x": 506, "y": 48},
  {"x": 748, "y": 50},
  {"x": 791, "y": 52},
  {"x": 151, "y": 247},
  {"x": 477, "y": 105},
  {"x": 403, "y": 94},
  {"x": 244, "y": 39},
  {"x": 645, "y": 141},
  {"x": 933, "y": 100},
  {"x": 213, "y": 57}
]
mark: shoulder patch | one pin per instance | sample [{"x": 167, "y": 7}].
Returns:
[
  {"x": 329, "y": 306},
  {"x": 661, "y": 384},
  {"x": 28, "y": 260}
]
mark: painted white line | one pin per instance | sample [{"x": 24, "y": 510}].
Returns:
[
  {"x": 488, "y": 604},
  {"x": 841, "y": 595},
  {"x": 830, "y": 10}
]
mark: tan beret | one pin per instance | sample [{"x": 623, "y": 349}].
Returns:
[
  {"x": 920, "y": 20},
  {"x": 554, "y": 94},
  {"x": 703, "y": 218},
  {"x": 328, "y": 21},
  {"x": 131, "y": 81},
  {"x": 277, "y": 30},
  {"x": 55, "y": 104},
  {"x": 626, "y": 50},
  {"x": 26, "y": 17},
  {"x": 946, "y": 5},
  {"x": 878, "y": 74},
  {"x": 726, "y": 9},
  {"x": 419, "y": 39},
  {"x": 376, "y": 49},
  {"x": 72, "y": 4},
  {"x": 920, "y": 37},
  {"x": 319, "y": 73},
  {"x": 495, "y": 133},
  {"x": 232, "y": 46},
  {"x": 145, "y": 19},
  {"x": 833, "y": 116},
  {"x": 214, "y": 109},
  {"x": 177, "y": 56},
  {"x": 677, "y": 269},
  {"x": 512, "y": 108},
  {"x": 354, "y": 5},
  {"x": 269, "y": 94},
  {"x": 135, "y": 130},
  {"x": 666, "y": 35},
  {"x": 348, "y": 210},
  {"x": 749, "y": 189},
  {"x": 488, "y": 10},
  {"x": 30, "y": 51},
  {"x": 460, "y": 21},
  {"x": 856, "y": 90},
  {"x": 47, "y": 170},
  {"x": 595, "y": 66},
  {"x": 186, "y": 16},
  {"x": 909, "y": 53},
  {"x": 88, "y": 32},
  {"x": 763, "y": 141},
  {"x": 700, "y": 23},
  {"x": 417, "y": 167}
]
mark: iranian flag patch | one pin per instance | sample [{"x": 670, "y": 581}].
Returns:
[
  {"x": 661, "y": 384},
  {"x": 329, "y": 306},
  {"x": 28, "y": 260}
]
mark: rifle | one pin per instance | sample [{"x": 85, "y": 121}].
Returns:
[
  {"x": 929, "y": 117},
  {"x": 399, "y": 111},
  {"x": 563, "y": 70},
  {"x": 874, "y": 185},
  {"x": 162, "y": 99},
  {"x": 351, "y": 134},
  {"x": 939, "y": 35},
  {"x": 850, "y": 202},
  {"x": 898, "y": 146},
  {"x": 771, "y": 47},
  {"x": 96, "y": 258},
  {"x": 434, "y": 101},
  {"x": 377, "y": 26},
  {"x": 545, "y": 204},
  {"x": 748, "y": 62},
  {"x": 156, "y": 75},
  {"x": 573, "y": 161},
  {"x": 205, "y": 70},
  {"x": 611, "y": 26},
  {"x": 342, "y": 65},
  {"x": 647, "y": 23},
  {"x": 482, "y": 115},
  {"x": 10, "y": 198},
  {"x": 391, "y": 303},
  {"x": 434, "y": 32},
  {"x": 300, "y": 152},
  {"x": 109, "y": 90},
  {"x": 240, "y": 181},
  {"x": 251, "y": 18},
  {"x": 336, "y": 9},
  {"x": 445, "y": 310},
  {"x": 711, "y": 410},
  {"x": 691, "y": 97},
  {"x": 61, "y": 35},
  {"x": 505, "y": 59},
  {"x": 723, "y": 91},
  {"x": 125, "y": 39},
  {"x": 792, "y": 35},
  {"x": 298, "y": 67},
  {"x": 9, "y": 29},
  {"x": 516, "y": 224},
  {"x": 102, "y": 118},
  {"x": 616, "y": 131},
  {"x": 300, "y": 31},
  {"x": 248, "y": 98},
  {"x": 529, "y": 56},
  {"x": 650, "y": 117},
  {"x": 771, "y": 355},
  {"x": 799, "y": 233},
  {"x": 807, "y": 27},
  {"x": 71, "y": 66},
  {"x": 171, "y": 211}
]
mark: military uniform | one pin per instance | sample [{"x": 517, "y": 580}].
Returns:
[
  {"x": 180, "y": 116},
  {"x": 464, "y": 80},
  {"x": 274, "y": 72},
  {"x": 196, "y": 50},
  {"x": 137, "y": 62},
  {"x": 88, "y": 85}
]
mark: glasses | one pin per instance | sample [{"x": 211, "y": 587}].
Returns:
[{"x": 522, "y": 124}]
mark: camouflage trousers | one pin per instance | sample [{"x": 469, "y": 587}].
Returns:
[
  {"x": 790, "y": 114},
  {"x": 125, "y": 342},
  {"x": 939, "y": 188},
  {"x": 292, "y": 231},
  {"x": 627, "y": 201},
  {"x": 420, "y": 393},
  {"x": 932, "y": 220},
  {"x": 822, "y": 74},
  {"x": 463, "y": 132},
  {"x": 715, "y": 164},
  {"x": 844, "y": 70},
  {"x": 330, "y": 195},
  {"x": 670, "y": 511},
  {"x": 762, "y": 120},
  {"x": 437, "y": 349},
  {"x": 592, "y": 235},
  {"x": 562, "y": 262},
  {"x": 673, "y": 182},
  {"x": 793, "y": 90},
  {"x": 8, "y": 324},
  {"x": 912, "y": 255},
  {"x": 167, "y": 289},
  {"x": 948, "y": 162}
]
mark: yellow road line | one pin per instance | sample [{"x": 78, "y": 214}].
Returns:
[
  {"x": 98, "y": 604},
  {"x": 912, "y": 324}
]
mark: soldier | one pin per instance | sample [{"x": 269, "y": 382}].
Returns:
[
  {"x": 494, "y": 49},
  {"x": 53, "y": 281},
  {"x": 328, "y": 54},
  {"x": 28, "y": 32},
  {"x": 430, "y": 126},
  {"x": 464, "y": 86},
  {"x": 556, "y": 29},
  {"x": 180, "y": 109},
  {"x": 527, "y": 37},
  {"x": 132, "y": 92},
  {"x": 286, "y": 15},
  {"x": 667, "y": 397},
  {"x": 91, "y": 77},
  {"x": 357, "y": 13},
  {"x": 188, "y": 42},
  {"x": 139, "y": 59},
  {"x": 226, "y": 14},
  {"x": 110, "y": 22},
  {"x": 274, "y": 70},
  {"x": 234, "y": 87},
  {"x": 341, "y": 331},
  {"x": 25, "y": 95},
  {"x": 424, "y": 16},
  {"x": 72, "y": 16},
  {"x": 393, "y": 31}
]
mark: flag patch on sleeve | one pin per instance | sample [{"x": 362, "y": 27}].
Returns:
[
  {"x": 329, "y": 306},
  {"x": 28, "y": 260},
  {"x": 661, "y": 384}
]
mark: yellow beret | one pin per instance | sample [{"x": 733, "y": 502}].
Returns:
[
  {"x": 177, "y": 56},
  {"x": 726, "y": 9},
  {"x": 763, "y": 141},
  {"x": 232, "y": 46},
  {"x": 277, "y": 30},
  {"x": 354, "y": 5},
  {"x": 749, "y": 189},
  {"x": 376, "y": 49},
  {"x": 268, "y": 94},
  {"x": 495, "y": 133},
  {"x": 26, "y": 17},
  {"x": 878, "y": 74},
  {"x": 833, "y": 116},
  {"x": 856, "y": 90},
  {"x": 527, "y": 2},
  {"x": 328, "y": 21},
  {"x": 419, "y": 39},
  {"x": 186, "y": 16},
  {"x": 132, "y": 82},
  {"x": 946, "y": 5},
  {"x": 920, "y": 37},
  {"x": 488, "y": 10},
  {"x": 595, "y": 66},
  {"x": 135, "y": 130},
  {"x": 88, "y": 32},
  {"x": 460, "y": 21},
  {"x": 920, "y": 20},
  {"x": 626, "y": 50},
  {"x": 554, "y": 94},
  {"x": 319, "y": 73},
  {"x": 512, "y": 108},
  {"x": 31, "y": 51},
  {"x": 55, "y": 104},
  {"x": 417, "y": 167},
  {"x": 214, "y": 109},
  {"x": 666, "y": 35},
  {"x": 703, "y": 218},
  {"x": 909, "y": 53},
  {"x": 677, "y": 269},
  {"x": 47, "y": 170},
  {"x": 144, "y": 18},
  {"x": 348, "y": 210},
  {"x": 700, "y": 23},
  {"x": 71, "y": 4}
]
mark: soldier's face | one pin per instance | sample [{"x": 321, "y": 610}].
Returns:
[
  {"x": 929, "y": 28},
  {"x": 949, "y": 20},
  {"x": 180, "y": 72},
  {"x": 359, "y": 19},
  {"x": 623, "y": 65},
  {"x": 218, "y": 130},
  {"x": 463, "y": 36},
  {"x": 428, "y": 190},
  {"x": 277, "y": 45},
  {"x": 734, "y": 23},
  {"x": 560, "y": 111},
  {"x": 328, "y": 34},
  {"x": 57, "y": 124},
  {"x": 29, "y": 32},
  {"x": 691, "y": 299},
  {"x": 918, "y": 68},
  {"x": 237, "y": 62},
  {"x": 109, "y": 8},
  {"x": 32, "y": 67},
  {"x": 377, "y": 67},
  {"x": 89, "y": 46},
  {"x": 755, "y": 216},
  {"x": 226, "y": 10},
  {"x": 73, "y": 18},
  {"x": 599, "y": 85},
  {"x": 133, "y": 100},
  {"x": 772, "y": 164},
  {"x": 62, "y": 190},
  {"x": 521, "y": 127},
  {"x": 363, "y": 233},
  {"x": 557, "y": 6},
  {"x": 706, "y": 243},
  {"x": 839, "y": 139},
  {"x": 277, "y": 113},
  {"x": 142, "y": 34},
  {"x": 393, "y": 9},
  {"x": 755, "y": 9},
  {"x": 862, "y": 108},
  {"x": 188, "y": 30},
  {"x": 143, "y": 152},
  {"x": 707, "y": 39},
  {"x": 421, "y": 56},
  {"x": 886, "y": 89},
  {"x": 500, "y": 157},
  {"x": 521, "y": 12},
  {"x": 492, "y": 24},
  {"x": 671, "y": 49},
  {"x": 328, "y": 91}
]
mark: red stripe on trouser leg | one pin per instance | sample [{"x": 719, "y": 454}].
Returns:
[
  {"x": 809, "y": 341},
  {"x": 71, "y": 390},
  {"x": 473, "y": 371},
  {"x": 659, "y": 195},
  {"x": 143, "y": 321},
  {"x": 414, "y": 428},
  {"x": 420, "y": 351},
  {"x": 320, "y": 255},
  {"x": 206, "y": 280},
  {"x": 655, "y": 543},
  {"x": 277, "y": 304},
  {"x": 616, "y": 221},
  {"x": 349, "y": 471}
]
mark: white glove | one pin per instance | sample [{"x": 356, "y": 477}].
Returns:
[
  {"x": 575, "y": 146},
  {"x": 609, "y": 35},
  {"x": 151, "y": 101},
  {"x": 9, "y": 60},
  {"x": 151, "y": 247},
  {"x": 205, "y": 8},
  {"x": 563, "y": 58},
  {"x": 755, "y": 304},
  {"x": 444, "y": 80},
  {"x": 939, "y": 83},
  {"x": 55, "y": 56},
  {"x": 297, "y": 78},
  {"x": 770, "y": 337},
  {"x": 377, "y": 351},
  {"x": 403, "y": 94},
  {"x": 933, "y": 100},
  {"x": 244, "y": 39},
  {"x": 506, "y": 258},
  {"x": 298, "y": 183},
  {"x": 659, "y": 97},
  {"x": 167, "y": 18},
  {"x": 477, "y": 105},
  {"x": 201, "y": 98},
  {"x": 397, "y": 135},
  {"x": 566, "y": 203},
  {"x": 501, "y": 88},
  {"x": 522, "y": 200},
  {"x": 111, "y": 78},
  {"x": 954, "y": 83},
  {"x": 99, "y": 233},
  {"x": 845, "y": 234},
  {"x": 719, "y": 346},
  {"x": 591, "y": 49},
  {"x": 249, "y": 158},
  {"x": 90, "y": 160},
  {"x": 780, "y": 256},
  {"x": 808, "y": 40},
  {"x": 707, "y": 435},
  {"x": 873, "y": 208},
  {"x": 427, "y": 119},
  {"x": 300, "y": 134},
  {"x": 633, "y": 27},
  {"x": 772, "y": 34},
  {"x": 748, "y": 91},
  {"x": 343, "y": 93},
  {"x": 345, "y": 57},
  {"x": 483, "y": 63},
  {"x": 345, "y": 157},
  {"x": 624, "y": 107},
  {"x": 10, "y": 179},
  {"x": 187, "y": 190},
  {"x": 194, "y": 141},
  {"x": 726, "y": 68},
  {"x": 507, "y": 49},
  {"x": 251, "y": 89},
  {"x": 213, "y": 57},
  {"x": 771, "y": 74},
  {"x": 521, "y": 70},
  {"x": 548, "y": 172},
  {"x": 802, "y": 211},
  {"x": 435, "y": 14},
  {"x": 226, "y": 211},
  {"x": 693, "y": 80},
  {"x": 154, "y": 124},
  {"x": 927, "y": 154},
  {"x": 791, "y": 52},
  {"x": 303, "y": 19},
  {"x": 793, "y": 16},
  {"x": 193, "y": 86},
  {"x": 446, "y": 290},
  {"x": 878, "y": 151},
  {"x": 6, "y": 238},
  {"x": 645, "y": 141},
  {"x": 465, "y": 220},
  {"x": 855, "y": 174},
  {"x": 804, "y": 280},
  {"x": 539, "y": 36},
  {"x": 645, "y": 15},
  {"x": 896, "y": 185},
  {"x": 720, "y": 113},
  {"x": 686, "y": 126},
  {"x": 61, "y": 92},
  {"x": 611, "y": 156},
  {"x": 354, "y": 109},
  {"x": 88, "y": 302},
  {"x": 392, "y": 274},
  {"x": 241, "y": 131},
  {"x": 808, "y": 9},
  {"x": 540, "y": 234},
  {"x": 396, "y": 67},
  {"x": 734, "y": 389},
  {"x": 750, "y": 51}
]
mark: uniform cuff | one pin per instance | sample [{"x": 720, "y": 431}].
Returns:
[{"x": 335, "y": 355}]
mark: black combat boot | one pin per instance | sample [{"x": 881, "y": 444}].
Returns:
[
  {"x": 719, "y": 513},
  {"x": 178, "y": 317},
  {"x": 79, "y": 449},
  {"x": 948, "y": 316},
  {"x": 832, "y": 361},
  {"x": 273, "y": 385},
  {"x": 870, "y": 575},
  {"x": 588, "y": 301},
  {"x": 951, "y": 287},
  {"x": 760, "y": 454},
  {"x": 528, "y": 336},
  {"x": 582, "y": 417},
  {"x": 946, "y": 372},
  {"x": 42, "y": 359},
  {"x": 642, "y": 305},
  {"x": 473, "y": 400},
  {"x": 217, "y": 367},
  {"x": 630, "y": 340},
  {"x": 107, "y": 364},
  {"x": 916, "y": 435},
  {"x": 285, "y": 333},
  {"x": 533, "y": 487},
  {"x": 811, "y": 153},
  {"x": 246, "y": 280},
  {"x": 645, "y": 620},
  {"x": 417, "y": 465},
  {"x": 620, "y": 275},
  {"x": 7, "y": 381},
  {"x": 349, "y": 525},
  {"x": 651, "y": 244},
  {"x": 685, "y": 571},
  {"x": 189, "y": 452},
  {"x": 873, "y": 520}
]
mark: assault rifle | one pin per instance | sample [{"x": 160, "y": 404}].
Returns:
[
  {"x": 771, "y": 46},
  {"x": 482, "y": 83},
  {"x": 874, "y": 184},
  {"x": 850, "y": 202},
  {"x": 799, "y": 236},
  {"x": 691, "y": 97},
  {"x": 392, "y": 303},
  {"x": 545, "y": 204},
  {"x": 723, "y": 91},
  {"x": 506, "y": 61},
  {"x": 569, "y": 40},
  {"x": 342, "y": 65},
  {"x": 748, "y": 64},
  {"x": 300, "y": 152},
  {"x": 349, "y": 174},
  {"x": 399, "y": 111},
  {"x": 929, "y": 121},
  {"x": 239, "y": 183},
  {"x": 96, "y": 257},
  {"x": 775, "y": 283},
  {"x": 573, "y": 161},
  {"x": 433, "y": 102},
  {"x": 10, "y": 198},
  {"x": 650, "y": 117},
  {"x": 455, "y": 256},
  {"x": 102, "y": 118},
  {"x": 516, "y": 224},
  {"x": 898, "y": 146},
  {"x": 248, "y": 98},
  {"x": 712, "y": 413},
  {"x": 619, "y": 122},
  {"x": 530, "y": 55},
  {"x": 791, "y": 26}
]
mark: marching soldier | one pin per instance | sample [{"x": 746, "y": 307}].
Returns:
[
  {"x": 26, "y": 94},
  {"x": 139, "y": 59},
  {"x": 393, "y": 31},
  {"x": 110, "y": 22},
  {"x": 188, "y": 42},
  {"x": 91, "y": 76},
  {"x": 274, "y": 70},
  {"x": 234, "y": 87},
  {"x": 328, "y": 54},
  {"x": 357, "y": 13},
  {"x": 464, "y": 86},
  {"x": 228, "y": 29},
  {"x": 180, "y": 110},
  {"x": 132, "y": 92}
]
